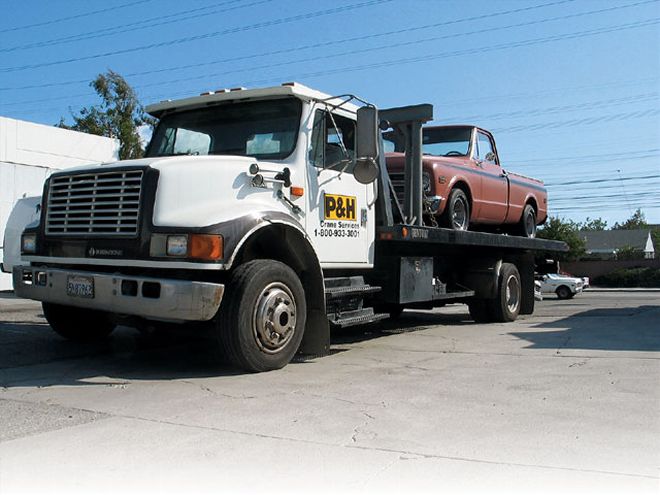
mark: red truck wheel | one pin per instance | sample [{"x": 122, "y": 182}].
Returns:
[
  {"x": 527, "y": 224},
  {"x": 457, "y": 211}
]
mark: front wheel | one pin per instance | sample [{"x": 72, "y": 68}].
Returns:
[
  {"x": 262, "y": 318},
  {"x": 78, "y": 324},
  {"x": 457, "y": 212}
]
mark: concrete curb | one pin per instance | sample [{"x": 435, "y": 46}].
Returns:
[{"x": 622, "y": 289}]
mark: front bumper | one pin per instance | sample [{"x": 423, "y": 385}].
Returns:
[{"x": 153, "y": 298}]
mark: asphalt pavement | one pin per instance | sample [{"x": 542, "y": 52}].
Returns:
[{"x": 566, "y": 399}]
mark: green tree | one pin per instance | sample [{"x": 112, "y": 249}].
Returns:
[
  {"x": 567, "y": 231},
  {"x": 119, "y": 115},
  {"x": 594, "y": 224},
  {"x": 636, "y": 221}
]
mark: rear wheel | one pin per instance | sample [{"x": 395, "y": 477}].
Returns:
[
  {"x": 527, "y": 225},
  {"x": 506, "y": 306},
  {"x": 564, "y": 292},
  {"x": 457, "y": 212},
  {"x": 262, "y": 318},
  {"x": 78, "y": 324}
]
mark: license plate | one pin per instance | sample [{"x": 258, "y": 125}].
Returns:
[{"x": 77, "y": 286}]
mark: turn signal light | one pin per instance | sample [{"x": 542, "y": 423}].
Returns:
[
  {"x": 297, "y": 191},
  {"x": 206, "y": 247}
]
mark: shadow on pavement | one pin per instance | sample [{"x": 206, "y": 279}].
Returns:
[
  {"x": 606, "y": 329},
  {"x": 31, "y": 354}
]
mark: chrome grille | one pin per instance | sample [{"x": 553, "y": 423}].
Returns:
[{"x": 98, "y": 205}]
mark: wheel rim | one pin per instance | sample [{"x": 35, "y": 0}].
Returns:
[
  {"x": 512, "y": 293},
  {"x": 459, "y": 215},
  {"x": 274, "y": 319},
  {"x": 530, "y": 225}
]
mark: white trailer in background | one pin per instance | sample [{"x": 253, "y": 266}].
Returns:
[{"x": 29, "y": 152}]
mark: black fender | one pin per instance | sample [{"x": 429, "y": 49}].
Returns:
[{"x": 284, "y": 239}]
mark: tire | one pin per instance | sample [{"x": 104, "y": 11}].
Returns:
[
  {"x": 564, "y": 292},
  {"x": 253, "y": 336},
  {"x": 480, "y": 311},
  {"x": 457, "y": 212},
  {"x": 78, "y": 324},
  {"x": 527, "y": 225},
  {"x": 506, "y": 305}
]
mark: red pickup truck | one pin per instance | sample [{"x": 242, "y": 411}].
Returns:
[{"x": 464, "y": 183}]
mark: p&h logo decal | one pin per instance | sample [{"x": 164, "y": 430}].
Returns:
[{"x": 337, "y": 207}]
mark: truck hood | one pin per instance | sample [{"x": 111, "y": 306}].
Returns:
[
  {"x": 397, "y": 161},
  {"x": 198, "y": 191}
]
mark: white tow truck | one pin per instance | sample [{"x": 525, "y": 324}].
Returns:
[{"x": 269, "y": 215}]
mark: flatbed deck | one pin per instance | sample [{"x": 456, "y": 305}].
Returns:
[{"x": 454, "y": 238}]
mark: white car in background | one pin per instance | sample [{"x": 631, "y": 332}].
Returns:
[{"x": 564, "y": 286}]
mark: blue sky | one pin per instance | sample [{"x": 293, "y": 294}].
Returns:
[{"x": 569, "y": 87}]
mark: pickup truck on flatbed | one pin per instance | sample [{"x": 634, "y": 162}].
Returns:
[
  {"x": 267, "y": 215},
  {"x": 464, "y": 182}
]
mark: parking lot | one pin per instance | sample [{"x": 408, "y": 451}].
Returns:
[{"x": 568, "y": 397}]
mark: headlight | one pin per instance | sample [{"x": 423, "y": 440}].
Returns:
[
  {"x": 177, "y": 245},
  {"x": 426, "y": 182},
  {"x": 29, "y": 243}
]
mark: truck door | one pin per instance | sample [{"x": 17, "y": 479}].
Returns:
[
  {"x": 494, "y": 185},
  {"x": 340, "y": 216}
]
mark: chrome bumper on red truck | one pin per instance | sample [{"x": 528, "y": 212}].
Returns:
[{"x": 153, "y": 298}]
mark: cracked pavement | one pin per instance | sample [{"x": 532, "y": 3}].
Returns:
[{"x": 566, "y": 398}]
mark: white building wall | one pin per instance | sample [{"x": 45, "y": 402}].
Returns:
[{"x": 29, "y": 152}]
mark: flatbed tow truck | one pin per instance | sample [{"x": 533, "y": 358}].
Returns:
[{"x": 269, "y": 215}]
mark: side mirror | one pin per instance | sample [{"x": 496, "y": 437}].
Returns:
[
  {"x": 490, "y": 157},
  {"x": 366, "y": 166}
]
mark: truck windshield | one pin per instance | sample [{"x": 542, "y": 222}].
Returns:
[
  {"x": 266, "y": 129},
  {"x": 446, "y": 141}
]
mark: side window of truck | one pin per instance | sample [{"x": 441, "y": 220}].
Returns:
[
  {"x": 485, "y": 148},
  {"x": 328, "y": 136}
]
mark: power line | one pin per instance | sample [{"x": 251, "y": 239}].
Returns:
[
  {"x": 651, "y": 112},
  {"x": 518, "y": 44},
  {"x": 437, "y": 56},
  {"x": 597, "y": 156},
  {"x": 188, "y": 39},
  {"x": 589, "y": 198},
  {"x": 288, "y": 50},
  {"x": 143, "y": 24},
  {"x": 557, "y": 109},
  {"x": 596, "y": 207},
  {"x": 559, "y": 90},
  {"x": 599, "y": 181},
  {"x": 391, "y": 45},
  {"x": 69, "y": 18}
]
